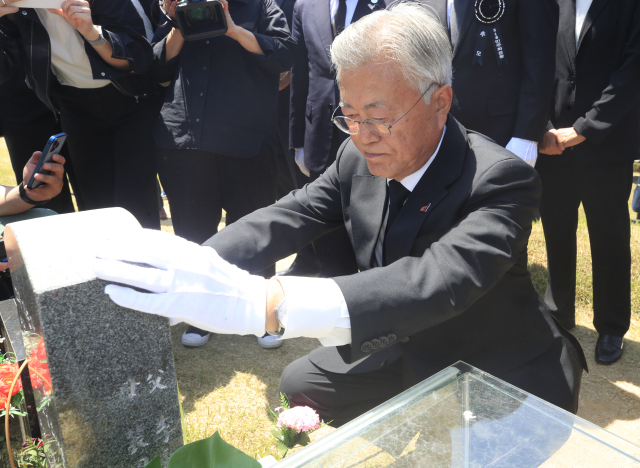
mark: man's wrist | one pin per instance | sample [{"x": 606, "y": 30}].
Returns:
[
  {"x": 275, "y": 294},
  {"x": 93, "y": 35}
]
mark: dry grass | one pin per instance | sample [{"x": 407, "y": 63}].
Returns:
[{"x": 229, "y": 384}]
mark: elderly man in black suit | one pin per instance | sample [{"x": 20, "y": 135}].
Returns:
[
  {"x": 589, "y": 152},
  {"x": 439, "y": 217},
  {"x": 314, "y": 98},
  {"x": 503, "y": 62}
]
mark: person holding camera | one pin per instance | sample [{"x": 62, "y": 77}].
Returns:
[
  {"x": 86, "y": 62},
  {"x": 217, "y": 131}
]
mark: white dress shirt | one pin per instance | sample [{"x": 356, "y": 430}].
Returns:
[
  {"x": 582, "y": 7},
  {"x": 526, "y": 150},
  {"x": 69, "y": 60},
  {"x": 315, "y": 306}
]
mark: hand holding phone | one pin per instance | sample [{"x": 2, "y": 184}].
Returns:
[{"x": 53, "y": 146}]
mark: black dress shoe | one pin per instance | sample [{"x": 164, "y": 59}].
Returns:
[
  {"x": 301, "y": 268},
  {"x": 608, "y": 349}
]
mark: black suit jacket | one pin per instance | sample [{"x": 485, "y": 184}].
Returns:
[
  {"x": 511, "y": 100},
  {"x": 457, "y": 284},
  {"x": 597, "y": 84},
  {"x": 314, "y": 93}
]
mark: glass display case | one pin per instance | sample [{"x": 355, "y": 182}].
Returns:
[{"x": 464, "y": 417}]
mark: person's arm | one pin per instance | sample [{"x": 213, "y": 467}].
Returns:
[
  {"x": 10, "y": 201},
  {"x": 78, "y": 14},
  {"x": 538, "y": 30}
]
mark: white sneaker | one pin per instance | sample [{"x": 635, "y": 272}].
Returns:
[
  {"x": 193, "y": 337},
  {"x": 270, "y": 341}
]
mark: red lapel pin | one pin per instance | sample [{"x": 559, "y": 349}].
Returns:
[{"x": 425, "y": 208}]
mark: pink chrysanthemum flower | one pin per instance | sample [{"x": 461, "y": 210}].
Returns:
[{"x": 301, "y": 419}]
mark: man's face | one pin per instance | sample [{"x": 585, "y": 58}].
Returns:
[{"x": 379, "y": 91}]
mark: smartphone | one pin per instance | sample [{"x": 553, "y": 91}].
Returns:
[{"x": 54, "y": 145}]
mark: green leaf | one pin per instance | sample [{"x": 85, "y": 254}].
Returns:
[
  {"x": 304, "y": 439},
  {"x": 212, "y": 452},
  {"x": 155, "y": 463},
  {"x": 17, "y": 398},
  {"x": 282, "y": 448},
  {"x": 277, "y": 434}
]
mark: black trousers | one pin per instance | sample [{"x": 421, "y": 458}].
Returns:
[
  {"x": 554, "y": 376},
  {"x": 199, "y": 185},
  {"x": 112, "y": 150},
  {"x": 23, "y": 139},
  {"x": 603, "y": 190}
]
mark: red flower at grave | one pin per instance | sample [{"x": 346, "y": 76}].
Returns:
[
  {"x": 39, "y": 369},
  {"x": 8, "y": 372}
]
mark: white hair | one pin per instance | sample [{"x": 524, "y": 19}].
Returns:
[{"x": 407, "y": 34}]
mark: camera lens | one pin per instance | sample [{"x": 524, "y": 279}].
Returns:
[
  {"x": 55, "y": 144},
  {"x": 203, "y": 14}
]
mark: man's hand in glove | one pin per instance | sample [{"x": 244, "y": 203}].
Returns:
[{"x": 187, "y": 282}]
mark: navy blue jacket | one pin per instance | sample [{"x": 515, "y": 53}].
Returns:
[{"x": 314, "y": 93}]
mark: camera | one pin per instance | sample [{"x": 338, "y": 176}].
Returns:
[{"x": 199, "y": 19}]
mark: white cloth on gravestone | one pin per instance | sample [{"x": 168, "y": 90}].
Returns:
[
  {"x": 69, "y": 61},
  {"x": 582, "y": 7},
  {"x": 525, "y": 149},
  {"x": 187, "y": 282},
  {"x": 315, "y": 306},
  {"x": 351, "y": 8},
  {"x": 148, "y": 27}
]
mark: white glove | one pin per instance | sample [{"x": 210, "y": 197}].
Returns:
[
  {"x": 525, "y": 149},
  {"x": 188, "y": 282},
  {"x": 300, "y": 161}
]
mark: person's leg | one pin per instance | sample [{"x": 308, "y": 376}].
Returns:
[
  {"x": 339, "y": 398},
  {"x": 635, "y": 203},
  {"x": 23, "y": 139},
  {"x": 605, "y": 195},
  {"x": 190, "y": 180},
  {"x": 559, "y": 205},
  {"x": 136, "y": 183},
  {"x": 248, "y": 184}
]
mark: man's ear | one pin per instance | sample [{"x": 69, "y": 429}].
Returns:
[{"x": 442, "y": 99}]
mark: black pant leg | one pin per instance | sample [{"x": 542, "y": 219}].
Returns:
[
  {"x": 339, "y": 397},
  {"x": 248, "y": 184},
  {"x": 190, "y": 180},
  {"x": 23, "y": 139},
  {"x": 559, "y": 205},
  {"x": 605, "y": 191}
]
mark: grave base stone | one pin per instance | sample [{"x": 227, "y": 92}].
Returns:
[{"x": 103, "y": 376}]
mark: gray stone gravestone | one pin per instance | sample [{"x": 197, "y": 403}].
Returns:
[{"x": 103, "y": 376}]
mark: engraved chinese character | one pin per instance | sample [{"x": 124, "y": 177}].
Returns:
[
  {"x": 155, "y": 382},
  {"x": 129, "y": 388},
  {"x": 136, "y": 440},
  {"x": 163, "y": 430},
  {"x": 482, "y": 33},
  {"x": 478, "y": 53}
]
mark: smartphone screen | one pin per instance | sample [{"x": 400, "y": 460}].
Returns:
[{"x": 54, "y": 145}]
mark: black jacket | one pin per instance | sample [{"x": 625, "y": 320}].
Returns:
[
  {"x": 22, "y": 35},
  {"x": 509, "y": 99},
  {"x": 597, "y": 86},
  {"x": 456, "y": 284}
]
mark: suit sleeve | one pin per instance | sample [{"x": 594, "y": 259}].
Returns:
[
  {"x": 260, "y": 239},
  {"x": 9, "y": 49},
  {"x": 416, "y": 293},
  {"x": 620, "y": 95},
  {"x": 538, "y": 30},
  {"x": 299, "y": 83}
]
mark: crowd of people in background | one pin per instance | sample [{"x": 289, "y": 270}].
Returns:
[{"x": 237, "y": 121}]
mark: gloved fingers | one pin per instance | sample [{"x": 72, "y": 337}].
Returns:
[
  {"x": 151, "y": 279},
  {"x": 144, "y": 302}
]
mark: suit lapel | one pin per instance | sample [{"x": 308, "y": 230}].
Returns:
[
  {"x": 431, "y": 189},
  {"x": 369, "y": 194},
  {"x": 594, "y": 10},
  {"x": 463, "y": 19},
  {"x": 323, "y": 22}
]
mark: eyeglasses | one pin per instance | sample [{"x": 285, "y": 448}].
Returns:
[{"x": 352, "y": 127}]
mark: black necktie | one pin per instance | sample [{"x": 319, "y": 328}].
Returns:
[
  {"x": 397, "y": 196},
  {"x": 340, "y": 18}
]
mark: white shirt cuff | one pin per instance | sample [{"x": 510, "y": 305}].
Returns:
[
  {"x": 316, "y": 309},
  {"x": 526, "y": 150}
]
